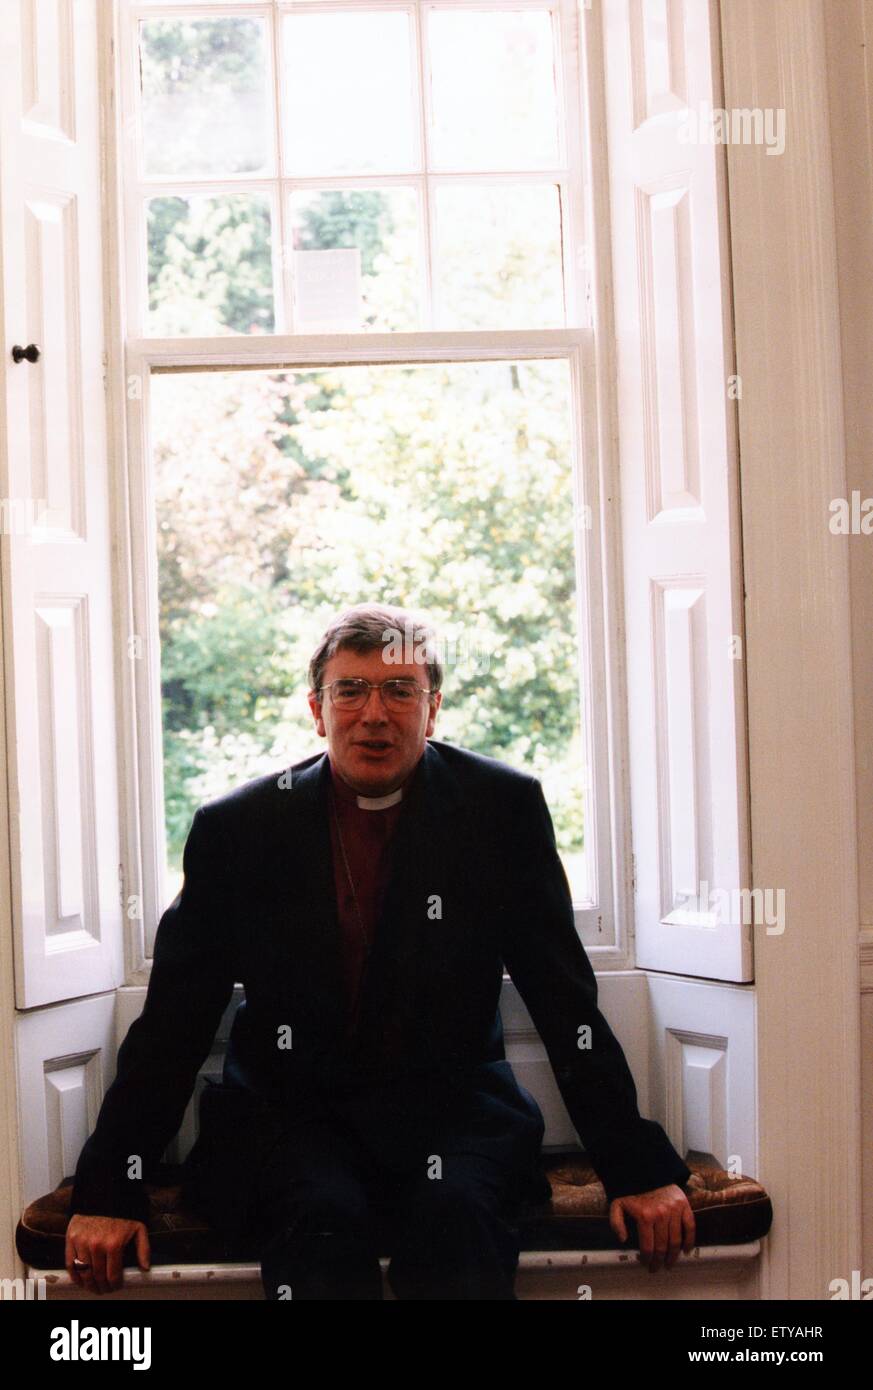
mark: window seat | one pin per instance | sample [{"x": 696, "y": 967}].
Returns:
[{"x": 569, "y": 1232}]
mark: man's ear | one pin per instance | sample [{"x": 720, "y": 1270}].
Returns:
[
  {"x": 432, "y": 714},
  {"x": 315, "y": 706}
]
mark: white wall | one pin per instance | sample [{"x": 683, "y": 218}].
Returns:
[{"x": 850, "y": 81}]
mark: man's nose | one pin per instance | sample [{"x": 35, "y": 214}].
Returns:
[{"x": 377, "y": 710}]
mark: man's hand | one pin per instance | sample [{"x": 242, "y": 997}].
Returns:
[
  {"x": 99, "y": 1241},
  {"x": 665, "y": 1224}
]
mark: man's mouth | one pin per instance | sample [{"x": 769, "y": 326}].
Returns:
[{"x": 375, "y": 745}]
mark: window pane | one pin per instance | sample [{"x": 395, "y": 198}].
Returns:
[
  {"x": 493, "y": 90},
  {"x": 382, "y": 224},
  {"x": 209, "y": 266},
  {"x": 204, "y": 96},
  {"x": 283, "y": 497},
  {"x": 347, "y": 87},
  {"x": 498, "y": 256}
]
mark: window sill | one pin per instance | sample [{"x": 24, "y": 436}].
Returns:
[{"x": 532, "y": 1263}]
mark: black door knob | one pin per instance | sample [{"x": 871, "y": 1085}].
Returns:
[{"x": 30, "y": 353}]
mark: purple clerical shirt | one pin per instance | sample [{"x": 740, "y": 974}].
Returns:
[{"x": 367, "y": 836}]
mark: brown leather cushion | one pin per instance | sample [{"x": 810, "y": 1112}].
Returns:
[{"x": 727, "y": 1210}]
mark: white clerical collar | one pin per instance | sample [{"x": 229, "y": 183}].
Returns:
[{"x": 379, "y": 803}]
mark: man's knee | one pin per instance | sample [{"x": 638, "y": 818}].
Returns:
[
  {"x": 467, "y": 1185},
  {"x": 321, "y": 1264},
  {"x": 453, "y": 1243},
  {"x": 442, "y": 1207},
  {"x": 308, "y": 1209}
]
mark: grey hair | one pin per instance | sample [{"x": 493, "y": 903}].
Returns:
[{"x": 371, "y": 626}]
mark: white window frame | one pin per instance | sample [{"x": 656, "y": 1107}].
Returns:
[
  {"x": 598, "y": 565},
  {"x": 138, "y": 188}
]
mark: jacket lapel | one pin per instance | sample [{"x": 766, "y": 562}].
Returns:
[{"x": 312, "y": 918}]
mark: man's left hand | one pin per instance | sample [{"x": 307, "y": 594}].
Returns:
[{"x": 665, "y": 1223}]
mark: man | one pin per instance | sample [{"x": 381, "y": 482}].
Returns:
[{"x": 368, "y": 900}]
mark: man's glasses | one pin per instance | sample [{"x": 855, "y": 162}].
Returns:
[{"x": 351, "y": 692}]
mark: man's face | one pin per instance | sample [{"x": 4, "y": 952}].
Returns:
[{"x": 352, "y": 735}]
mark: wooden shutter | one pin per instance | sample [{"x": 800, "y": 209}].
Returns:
[
  {"x": 56, "y": 553},
  {"x": 678, "y": 459}
]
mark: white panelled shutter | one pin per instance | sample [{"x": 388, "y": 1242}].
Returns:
[
  {"x": 678, "y": 458},
  {"x": 56, "y": 546}
]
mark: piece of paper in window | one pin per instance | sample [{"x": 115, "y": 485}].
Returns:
[{"x": 328, "y": 289}]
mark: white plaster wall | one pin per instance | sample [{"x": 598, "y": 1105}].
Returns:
[{"x": 850, "y": 82}]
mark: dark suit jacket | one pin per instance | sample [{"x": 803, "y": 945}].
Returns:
[{"x": 476, "y": 883}]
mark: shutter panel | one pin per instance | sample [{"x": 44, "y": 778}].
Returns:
[
  {"x": 56, "y": 553},
  {"x": 680, "y": 516}
]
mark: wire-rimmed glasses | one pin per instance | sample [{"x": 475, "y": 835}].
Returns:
[{"x": 353, "y": 692}]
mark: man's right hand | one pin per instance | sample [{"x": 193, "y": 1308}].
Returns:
[{"x": 99, "y": 1242}]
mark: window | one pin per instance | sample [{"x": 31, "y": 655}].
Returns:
[
  {"x": 339, "y": 157},
  {"x": 360, "y": 365}
]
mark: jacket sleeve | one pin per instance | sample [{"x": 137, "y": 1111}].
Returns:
[
  {"x": 549, "y": 965},
  {"x": 191, "y": 983}
]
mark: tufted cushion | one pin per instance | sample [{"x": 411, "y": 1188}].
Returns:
[{"x": 728, "y": 1211}]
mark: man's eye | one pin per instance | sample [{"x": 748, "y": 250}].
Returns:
[
  {"x": 347, "y": 687},
  {"x": 406, "y": 692}
]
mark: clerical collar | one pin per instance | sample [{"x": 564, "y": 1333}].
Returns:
[
  {"x": 365, "y": 803},
  {"x": 380, "y": 803}
]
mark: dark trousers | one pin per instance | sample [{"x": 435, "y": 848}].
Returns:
[{"x": 326, "y": 1209}]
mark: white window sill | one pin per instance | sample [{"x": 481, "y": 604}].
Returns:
[{"x": 539, "y": 1261}]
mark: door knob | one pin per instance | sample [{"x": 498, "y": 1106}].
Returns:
[{"x": 30, "y": 353}]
